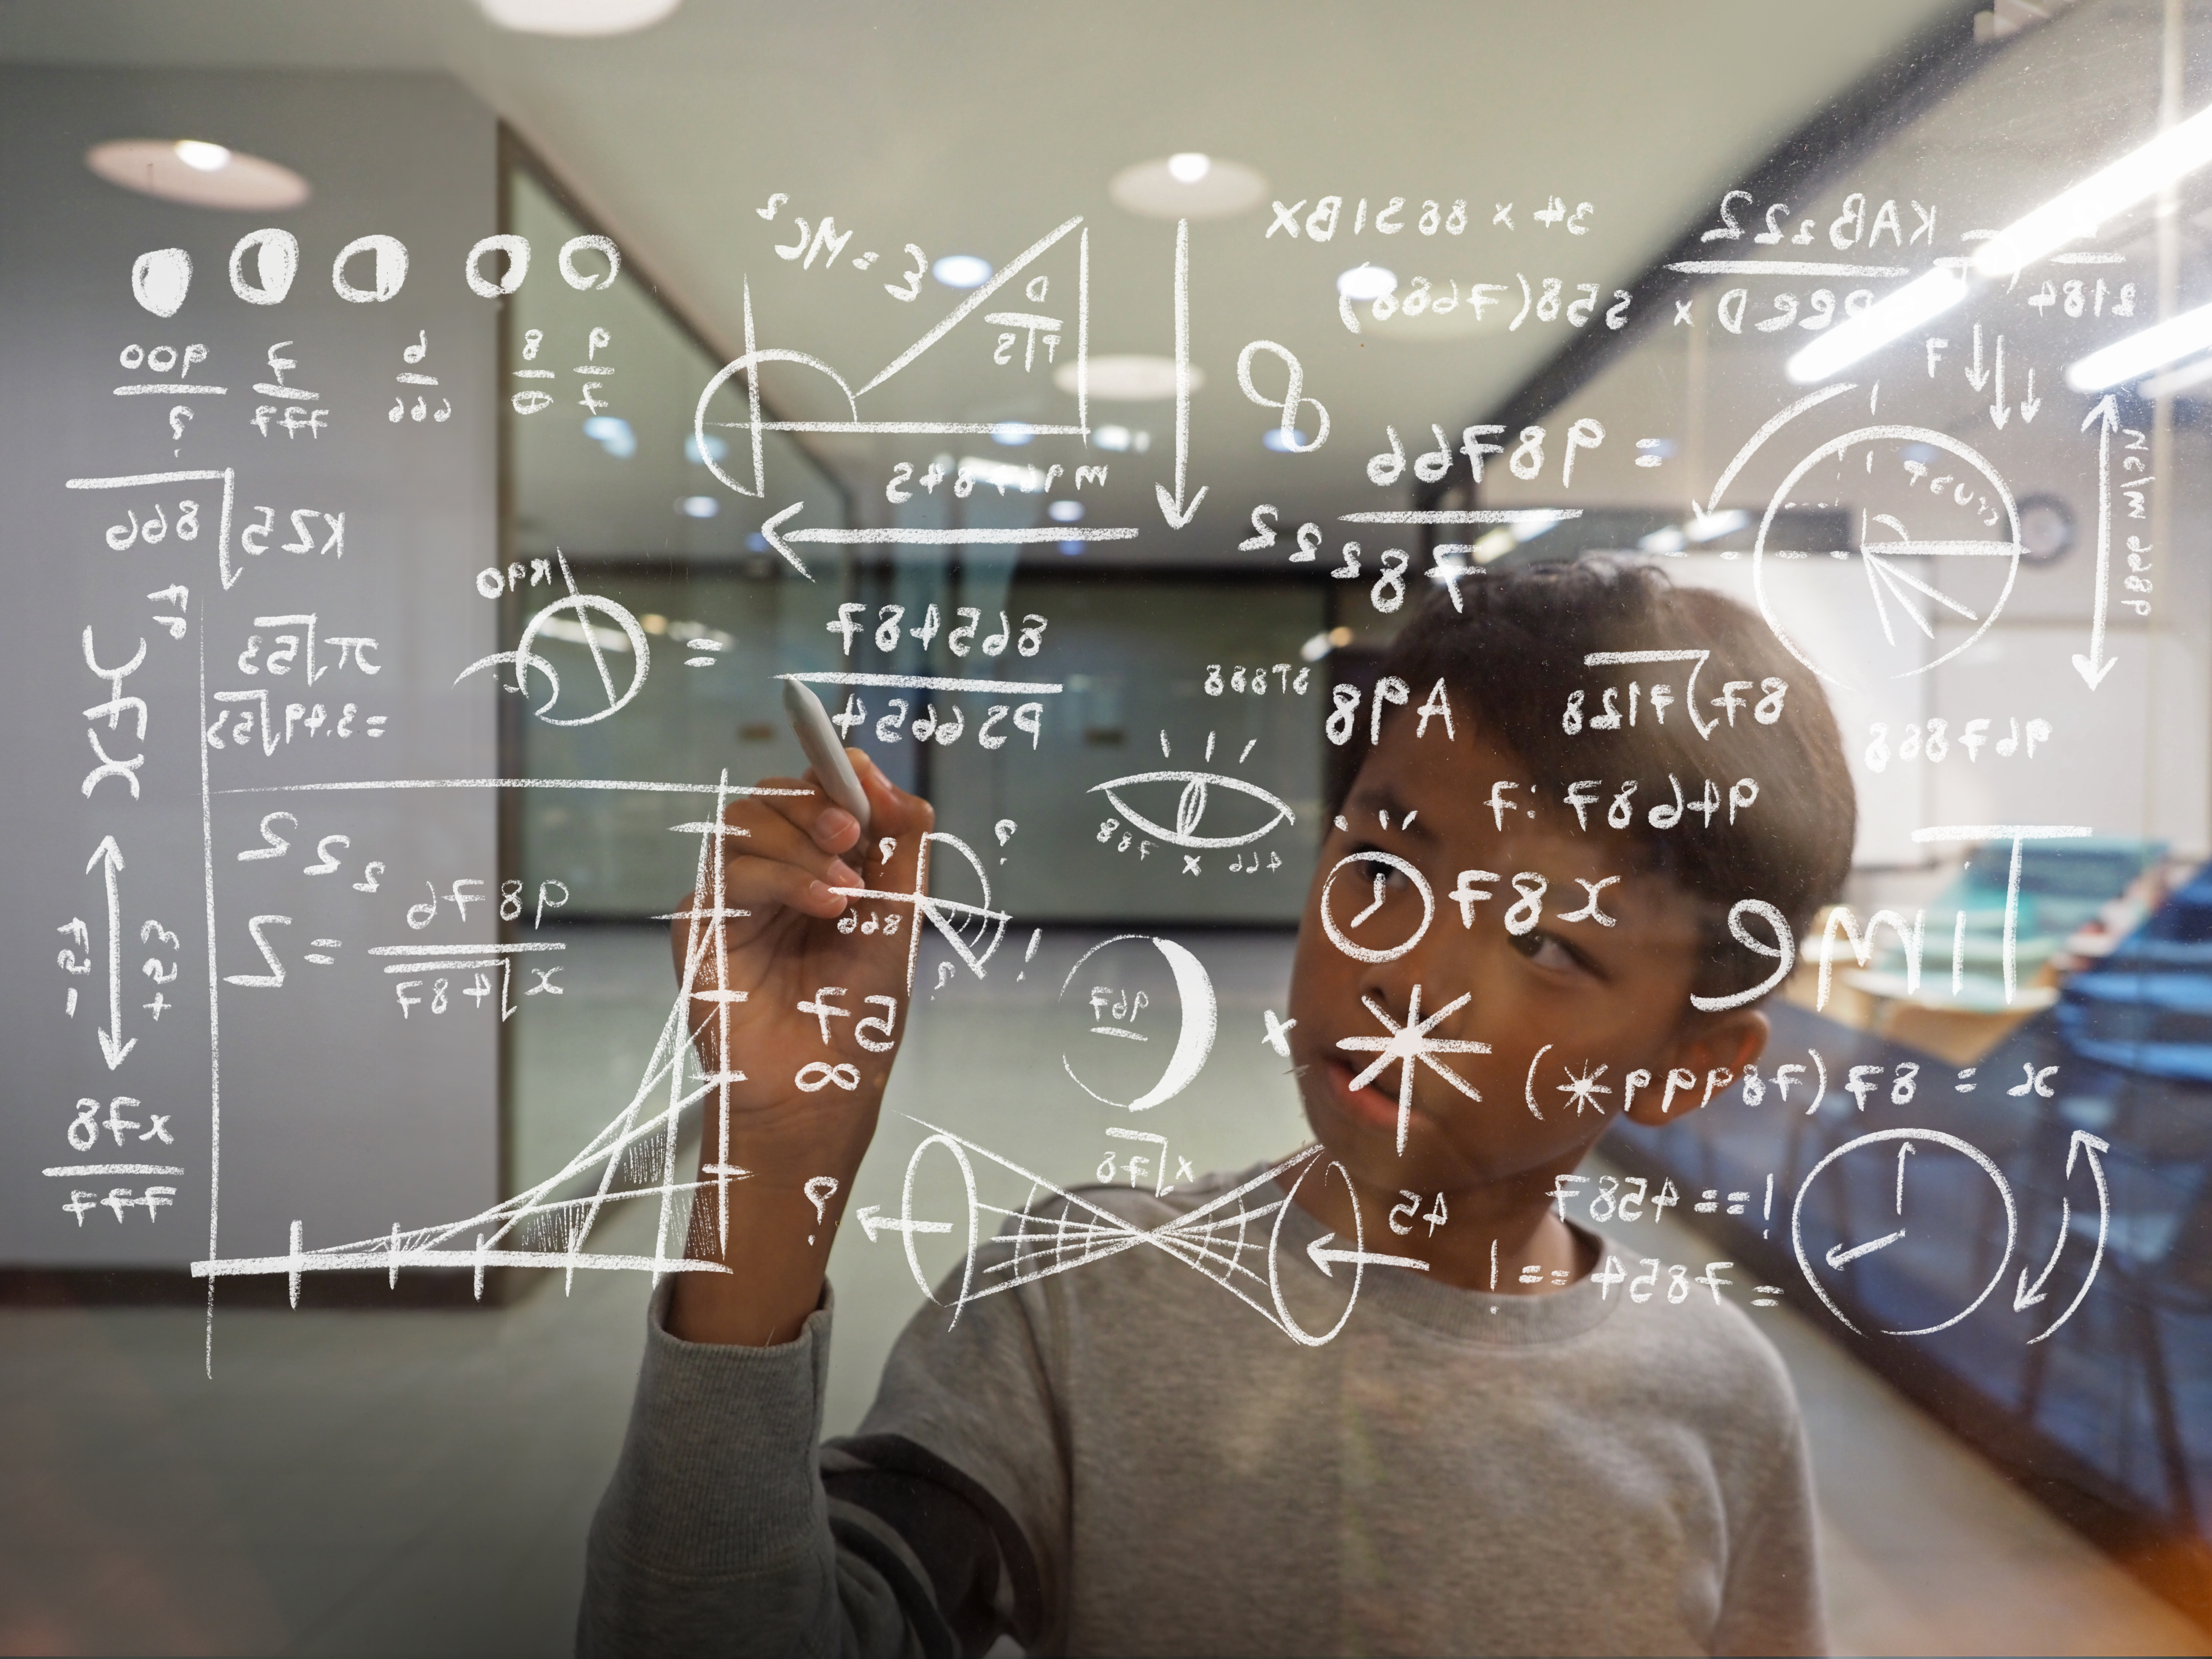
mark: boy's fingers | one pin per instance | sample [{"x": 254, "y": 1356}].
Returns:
[
  {"x": 759, "y": 884},
  {"x": 776, "y": 836}
]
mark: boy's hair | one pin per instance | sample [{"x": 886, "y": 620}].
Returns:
[{"x": 1514, "y": 657}]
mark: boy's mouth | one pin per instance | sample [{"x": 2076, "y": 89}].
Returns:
[{"x": 1370, "y": 1106}]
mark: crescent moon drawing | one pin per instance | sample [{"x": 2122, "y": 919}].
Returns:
[{"x": 1193, "y": 1041}]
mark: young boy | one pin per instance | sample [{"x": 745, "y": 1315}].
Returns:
[{"x": 1500, "y": 1454}]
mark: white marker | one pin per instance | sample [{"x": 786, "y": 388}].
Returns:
[{"x": 811, "y": 722}]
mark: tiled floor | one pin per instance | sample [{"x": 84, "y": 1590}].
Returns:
[{"x": 421, "y": 1481}]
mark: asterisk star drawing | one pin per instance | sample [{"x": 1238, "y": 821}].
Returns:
[
  {"x": 1410, "y": 1043},
  {"x": 1586, "y": 1088}
]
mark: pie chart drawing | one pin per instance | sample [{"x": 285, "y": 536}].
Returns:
[{"x": 1938, "y": 541}]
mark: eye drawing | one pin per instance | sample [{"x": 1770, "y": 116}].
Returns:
[{"x": 1190, "y": 807}]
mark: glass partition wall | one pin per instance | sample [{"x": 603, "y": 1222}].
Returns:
[{"x": 1096, "y": 411}]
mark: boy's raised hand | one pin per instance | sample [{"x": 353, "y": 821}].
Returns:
[{"x": 791, "y": 1119}]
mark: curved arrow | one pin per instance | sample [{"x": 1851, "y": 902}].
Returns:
[
  {"x": 1322, "y": 1256},
  {"x": 2029, "y": 1295}
]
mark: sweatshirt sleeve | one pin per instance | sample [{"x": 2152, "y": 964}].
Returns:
[
  {"x": 1772, "y": 1601},
  {"x": 716, "y": 1534}
]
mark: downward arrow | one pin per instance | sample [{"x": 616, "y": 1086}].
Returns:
[
  {"x": 1322, "y": 1256},
  {"x": 2031, "y": 406},
  {"x": 2093, "y": 667},
  {"x": 1978, "y": 377},
  {"x": 1173, "y": 507},
  {"x": 1999, "y": 412},
  {"x": 112, "y": 1048}
]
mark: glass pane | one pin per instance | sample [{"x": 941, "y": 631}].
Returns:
[{"x": 1528, "y": 966}]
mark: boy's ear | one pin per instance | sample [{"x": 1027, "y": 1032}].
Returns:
[{"x": 1714, "y": 1048}]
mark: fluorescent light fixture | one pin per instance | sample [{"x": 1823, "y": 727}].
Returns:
[
  {"x": 1297, "y": 443},
  {"x": 612, "y": 434},
  {"x": 2154, "y": 348},
  {"x": 1364, "y": 283},
  {"x": 1133, "y": 378},
  {"x": 2187, "y": 378},
  {"x": 1065, "y": 512},
  {"x": 1496, "y": 544},
  {"x": 2078, "y": 212},
  {"x": 1711, "y": 527},
  {"x": 962, "y": 270},
  {"x": 1897, "y": 314},
  {"x": 202, "y": 156},
  {"x": 1120, "y": 438},
  {"x": 1013, "y": 433},
  {"x": 1188, "y": 185},
  {"x": 1003, "y": 475},
  {"x": 1668, "y": 538},
  {"x": 698, "y": 507},
  {"x": 198, "y": 173},
  {"x": 576, "y": 17}
]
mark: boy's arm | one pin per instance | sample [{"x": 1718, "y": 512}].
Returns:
[
  {"x": 1772, "y": 1601},
  {"x": 718, "y": 1534}
]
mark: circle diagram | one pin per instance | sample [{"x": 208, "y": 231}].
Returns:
[{"x": 1938, "y": 540}]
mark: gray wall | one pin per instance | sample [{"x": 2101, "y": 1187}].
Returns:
[{"x": 334, "y": 1110}]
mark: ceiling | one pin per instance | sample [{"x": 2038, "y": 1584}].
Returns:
[{"x": 980, "y": 129}]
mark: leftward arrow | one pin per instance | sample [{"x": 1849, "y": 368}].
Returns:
[
  {"x": 964, "y": 536},
  {"x": 1322, "y": 1256},
  {"x": 112, "y": 1048},
  {"x": 1173, "y": 508},
  {"x": 2026, "y": 1296},
  {"x": 872, "y": 1222},
  {"x": 1838, "y": 1256}
]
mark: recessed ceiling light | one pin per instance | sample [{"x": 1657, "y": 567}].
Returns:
[
  {"x": 198, "y": 173},
  {"x": 1065, "y": 512},
  {"x": 1188, "y": 185},
  {"x": 1071, "y": 549},
  {"x": 615, "y": 435},
  {"x": 698, "y": 507},
  {"x": 1133, "y": 378},
  {"x": 962, "y": 270},
  {"x": 1013, "y": 433},
  {"x": 1364, "y": 283},
  {"x": 577, "y": 17},
  {"x": 1296, "y": 444}
]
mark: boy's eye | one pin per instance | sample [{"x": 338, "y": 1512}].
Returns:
[
  {"x": 1386, "y": 880},
  {"x": 1546, "y": 951}
]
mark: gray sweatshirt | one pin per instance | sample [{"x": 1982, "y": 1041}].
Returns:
[{"x": 1134, "y": 1456}]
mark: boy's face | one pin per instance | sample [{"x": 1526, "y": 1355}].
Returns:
[{"x": 1596, "y": 1001}]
